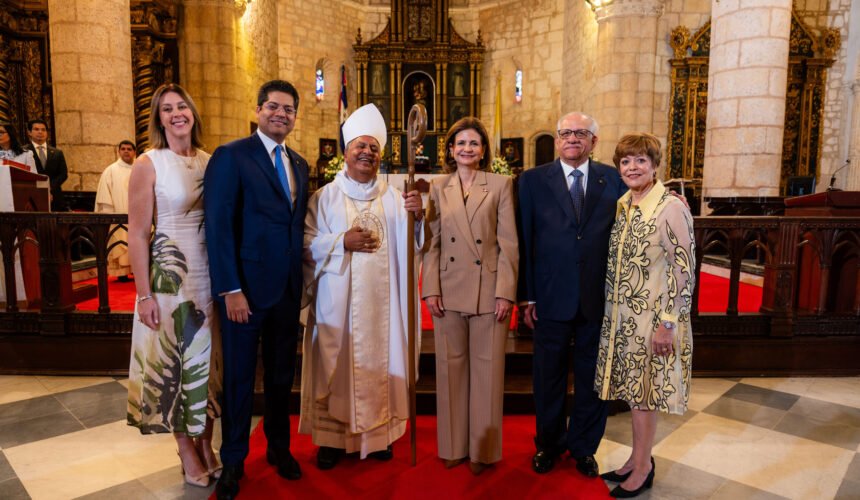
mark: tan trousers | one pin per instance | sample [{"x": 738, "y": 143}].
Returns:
[{"x": 470, "y": 378}]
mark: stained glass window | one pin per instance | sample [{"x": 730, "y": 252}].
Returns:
[
  {"x": 320, "y": 92},
  {"x": 518, "y": 89}
]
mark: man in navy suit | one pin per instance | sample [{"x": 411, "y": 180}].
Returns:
[
  {"x": 255, "y": 195},
  {"x": 50, "y": 161},
  {"x": 567, "y": 208}
]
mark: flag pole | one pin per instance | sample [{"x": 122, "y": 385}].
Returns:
[{"x": 415, "y": 130}]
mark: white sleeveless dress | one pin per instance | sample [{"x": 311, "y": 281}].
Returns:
[{"x": 175, "y": 372}]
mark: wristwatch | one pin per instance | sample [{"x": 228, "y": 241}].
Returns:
[{"x": 669, "y": 324}]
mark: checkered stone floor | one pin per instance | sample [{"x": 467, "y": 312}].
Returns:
[{"x": 751, "y": 438}]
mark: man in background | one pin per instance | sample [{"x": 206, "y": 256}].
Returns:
[
  {"x": 50, "y": 161},
  {"x": 112, "y": 197}
]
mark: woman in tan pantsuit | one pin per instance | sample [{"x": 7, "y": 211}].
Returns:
[{"x": 469, "y": 285}]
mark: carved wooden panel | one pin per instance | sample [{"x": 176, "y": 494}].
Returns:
[{"x": 25, "y": 76}]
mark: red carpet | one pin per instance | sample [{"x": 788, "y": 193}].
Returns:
[
  {"x": 713, "y": 297},
  {"x": 370, "y": 479}
]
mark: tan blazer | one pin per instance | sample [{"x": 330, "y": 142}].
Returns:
[{"x": 472, "y": 257}]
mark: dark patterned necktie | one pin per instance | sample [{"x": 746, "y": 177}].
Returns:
[
  {"x": 43, "y": 158},
  {"x": 576, "y": 194}
]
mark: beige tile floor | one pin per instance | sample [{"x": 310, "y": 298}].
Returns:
[{"x": 798, "y": 438}]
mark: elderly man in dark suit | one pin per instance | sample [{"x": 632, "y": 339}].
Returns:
[
  {"x": 50, "y": 161},
  {"x": 567, "y": 208},
  {"x": 255, "y": 196}
]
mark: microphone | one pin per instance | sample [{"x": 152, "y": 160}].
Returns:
[{"x": 833, "y": 177}]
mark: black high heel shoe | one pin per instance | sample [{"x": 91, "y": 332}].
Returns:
[
  {"x": 620, "y": 492},
  {"x": 619, "y": 478}
]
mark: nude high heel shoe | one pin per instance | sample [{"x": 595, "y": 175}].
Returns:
[{"x": 202, "y": 480}]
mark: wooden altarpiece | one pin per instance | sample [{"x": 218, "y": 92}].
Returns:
[
  {"x": 419, "y": 59},
  {"x": 808, "y": 60}
]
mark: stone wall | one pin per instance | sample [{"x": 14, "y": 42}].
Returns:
[
  {"x": 226, "y": 52},
  {"x": 328, "y": 41},
  {"x": 527, "y": 36},
  {"x": 821, "y": 14},
  {"x": 92, "y": 85},
  {"x": 579, "y": 57}
]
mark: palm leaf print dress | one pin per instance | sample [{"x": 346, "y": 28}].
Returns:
[{"x": 175, "y": 372}]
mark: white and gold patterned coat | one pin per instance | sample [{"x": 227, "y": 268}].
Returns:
[{"x": 649, "y": 279}]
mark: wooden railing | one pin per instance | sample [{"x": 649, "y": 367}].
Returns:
[{"x": 811, "y": 291}]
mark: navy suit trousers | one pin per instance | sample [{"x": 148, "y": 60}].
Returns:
[
  {"x": 276, "y": 326},
  {"x": 552, "y": 357}
]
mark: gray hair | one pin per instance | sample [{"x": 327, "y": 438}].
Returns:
[{"x": 591, "y": 128}]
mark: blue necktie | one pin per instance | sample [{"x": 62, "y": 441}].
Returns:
[
  {"x": 577, "y": 194},
  {"x": 282, "y": 172}
]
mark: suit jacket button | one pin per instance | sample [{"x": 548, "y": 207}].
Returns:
[
  {"x": 478, "y": 241},
  {"x": 452, "y": 259},
  {"x": 452, "y": 239},
  {"x": 478, "y": 262}
]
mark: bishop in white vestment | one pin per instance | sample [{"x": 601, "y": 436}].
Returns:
[
  {"x": 355, "y": 359},
  {"x": 112, "y": 197}
]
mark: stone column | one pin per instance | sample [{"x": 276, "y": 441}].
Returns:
[
  {"x": 92, "y": 84},
  {"x": 208, "y": 62},
  {"x": 626, "y": 59},
  {"x": 747, "y": 74},
  {"x": 852, "y": 176}
]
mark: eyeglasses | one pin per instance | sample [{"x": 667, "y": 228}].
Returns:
[
  {"x": 579, "y": 133},
  {"x": 273, "y": 107}
]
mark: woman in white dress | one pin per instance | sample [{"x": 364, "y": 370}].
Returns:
[
  {"x": 12, "y": 149},
  {"x": 174, "y": 374}
]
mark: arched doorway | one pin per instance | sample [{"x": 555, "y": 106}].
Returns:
[{"x": 544, "y": 149}]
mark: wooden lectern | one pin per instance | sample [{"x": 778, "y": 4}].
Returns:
[
  {"x": 30, "y": 193},
  {"x": 840, "y": 275}
]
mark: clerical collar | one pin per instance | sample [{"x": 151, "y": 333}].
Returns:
[{"x": 357, "y": 190}]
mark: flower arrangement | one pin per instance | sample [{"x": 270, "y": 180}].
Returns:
[
  {"x": 334, "y": 166},
  {"x": 500, "y": 166}
]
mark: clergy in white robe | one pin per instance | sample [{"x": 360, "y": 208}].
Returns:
[
  {"x": 112, "y": 197},
  {"x": 355, "y": 355}
]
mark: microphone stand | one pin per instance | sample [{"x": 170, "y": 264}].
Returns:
[{"x": 833, "y": 177}]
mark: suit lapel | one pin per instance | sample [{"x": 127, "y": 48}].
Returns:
[
  {"x": 596, "y": 185},
  {"x": 454, "y": 202},
  {"x": 264, "y": 162},
  {"x": 557, "y": 185},
  {"x": 300, "y": 175},
  {"x": 477, "y": 197}
]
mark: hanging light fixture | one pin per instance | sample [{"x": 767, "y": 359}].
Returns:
[{"x": 596, "y": 4}]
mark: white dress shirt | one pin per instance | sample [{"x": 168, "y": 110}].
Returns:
[
  {"x": 270, "y": 145},
  {"x": 582, "y": 167}
]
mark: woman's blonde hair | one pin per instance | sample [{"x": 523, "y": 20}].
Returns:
[
  {"x": 638, "y": 143},
  {"x": 466, "y": 123},
  {"x": 157, "y": 139}
]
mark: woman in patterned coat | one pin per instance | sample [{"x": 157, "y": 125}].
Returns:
[{"x": 646, "y": 343}]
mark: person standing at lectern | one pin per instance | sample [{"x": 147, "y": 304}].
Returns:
[
  {"x": 50, "y": 161},
  {"x": 567, "y": 208}
]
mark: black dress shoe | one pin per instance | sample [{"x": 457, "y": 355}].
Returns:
[
  {"x": 587, "y": 465},
  {"x": 543, "y": 462},
  {"x": 288, "y": 468},
  {"x": 619, "y": 478},
  {"x": 384, "y": 455},
  {"x": 620, "y": 492},
  {"x": 227, "y": 487},
  {"x": 328, "y": 457}
]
